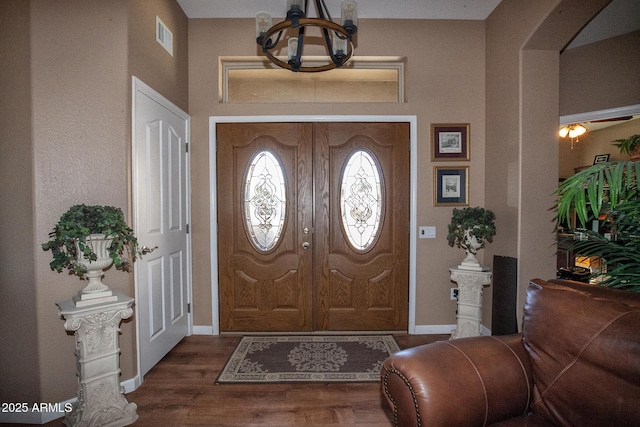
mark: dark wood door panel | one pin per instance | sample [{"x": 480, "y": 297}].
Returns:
[
  {"x": 264, "y": 290},
  {"x": 330, "y": 284},
  {"x": 356, "y": 288}
]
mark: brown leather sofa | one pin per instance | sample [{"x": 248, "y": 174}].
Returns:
[{"x": 577, "y": 363}]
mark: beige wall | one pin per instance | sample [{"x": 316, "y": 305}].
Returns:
[
  {"x": 596, "y": 77},
  {"x": 68, "y": 118},
  {"x": 79, "y": 101},
  {"x": 600, "y": 75},
  {"x": 67, "y": 111},
  {"x": 522, "y": 114},
  {"x": 444, "y": 84},
  {"x": 20, "y": 381},
  {"x": 148, "y": 60}
]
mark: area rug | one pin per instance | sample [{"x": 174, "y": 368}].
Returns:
[{"x": 318, "y": 358}]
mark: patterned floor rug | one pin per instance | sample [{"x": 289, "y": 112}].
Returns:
[{"x": 318, "y": 358}]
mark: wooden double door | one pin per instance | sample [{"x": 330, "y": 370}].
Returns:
[{"x": 313, "y": 226}]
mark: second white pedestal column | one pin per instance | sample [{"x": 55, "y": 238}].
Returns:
[{"x": 470, "y": 286}]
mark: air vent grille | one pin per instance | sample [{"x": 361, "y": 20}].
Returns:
[{"x": 164, "y": 36}]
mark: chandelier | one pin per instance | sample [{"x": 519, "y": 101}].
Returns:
[{"x": 337, "y": 38}]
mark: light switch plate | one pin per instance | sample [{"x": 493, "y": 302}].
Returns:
[{"x": 427, "y": 232}]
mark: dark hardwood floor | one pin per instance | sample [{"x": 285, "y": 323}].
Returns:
[{"x": 180, "y": 391}]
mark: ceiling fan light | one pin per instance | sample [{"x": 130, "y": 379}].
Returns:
[
  {"x": 576, "y": 131},
  {"x": 564, "y": 132}
]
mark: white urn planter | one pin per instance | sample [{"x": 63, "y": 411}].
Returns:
[
  {"x": 471, "y": 229},
  {"x": 471, "y": 245},
  {"x": 95, "y": 292}
]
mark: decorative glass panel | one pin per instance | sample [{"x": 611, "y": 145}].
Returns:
[
  {"x": 361, "y": 199},
  {"x": 264, "y": 200}
]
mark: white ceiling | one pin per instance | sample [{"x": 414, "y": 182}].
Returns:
[
  {"x": 387, "y": 9},
  {"x": 620, "y": 17}
]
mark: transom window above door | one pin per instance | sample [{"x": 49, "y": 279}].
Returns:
[{"x": 365, "y": 79}]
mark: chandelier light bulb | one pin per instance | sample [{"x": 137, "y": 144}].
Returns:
[
  {"x": 349, "y": 12},
  {"x": 263, "y": 23}
]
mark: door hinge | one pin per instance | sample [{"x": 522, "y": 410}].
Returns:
[
  {"x": 187, "y": 228},
  {"x": 189, "y": 307},
  {"x": 186, "y": 147}
]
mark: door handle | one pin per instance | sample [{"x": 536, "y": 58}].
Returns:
[
  {"x": 145, "y": 250},
  {"x": 305, "y": 245}
]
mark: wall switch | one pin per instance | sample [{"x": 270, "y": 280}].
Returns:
[{"x": 427, "y": 232}]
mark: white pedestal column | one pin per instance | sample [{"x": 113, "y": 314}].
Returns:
[
  {"x": 470, "y": 285},
  {"x": 101, "y": 400}
]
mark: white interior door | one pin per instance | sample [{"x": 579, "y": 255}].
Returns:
[{"x": 160, "y": 193}]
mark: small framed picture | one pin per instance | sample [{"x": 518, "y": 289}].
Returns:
[
  {"x": 449, "y": 142},
  {"x": 451, "y": 186},
  {"x": 601, "y": 158}
]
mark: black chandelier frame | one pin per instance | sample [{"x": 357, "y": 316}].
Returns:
[{"x": 296, "y": 18}]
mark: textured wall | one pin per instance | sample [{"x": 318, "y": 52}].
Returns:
[
  {"x": 66, "y": 120},
  {"x": 19, "y": 351},
  {"x": 444, "y": 84}
]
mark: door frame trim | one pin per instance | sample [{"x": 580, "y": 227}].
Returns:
[{"x": 213, "y": 208}]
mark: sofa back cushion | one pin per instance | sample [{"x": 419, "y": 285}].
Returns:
[{"x": 584, "y": 345}]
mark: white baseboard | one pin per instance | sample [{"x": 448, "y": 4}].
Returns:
[
  {"x": 131, "y": 384},
  {"x": 419, "y": 330},
  {"x": 202, "y": 330},
  {"x": 444, "y": 329},
  {"x": 433, "y": 329}
]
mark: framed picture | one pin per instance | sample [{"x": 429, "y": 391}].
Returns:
[
  {"x": 601, "y": 158},
  {"x": 451, "y": 186},
  {"x": 449, "y": 142}
]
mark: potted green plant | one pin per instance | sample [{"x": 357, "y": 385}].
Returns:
[
  {"x": 88, "y": 239},
  {"x": 471, "y": 229},
  {"x": 630, "y": 146},
  {"x": 607, "y": 192}
]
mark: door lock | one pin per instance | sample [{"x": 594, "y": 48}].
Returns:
[{"x": 305, "y": 245}]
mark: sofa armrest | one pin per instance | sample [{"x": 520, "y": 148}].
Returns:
[{"x": 463, "y": 382}]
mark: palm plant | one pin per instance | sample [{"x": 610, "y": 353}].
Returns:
[{"x": 610, "y": 192}]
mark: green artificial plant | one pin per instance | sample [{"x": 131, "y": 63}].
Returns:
[
  {"x": 80, "y": 221},
  {"x": 479, "y": 222},
  {"x": 630, "y": 146},
  {"x": 607, "y": 192}
]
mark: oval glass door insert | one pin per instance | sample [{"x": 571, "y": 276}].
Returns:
[
  {"x": 361, "y": 199},
  {"x": 264, "y": 204}
]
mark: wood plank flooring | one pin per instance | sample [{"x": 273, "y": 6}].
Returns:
[{"x": 180, "y": 391}]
